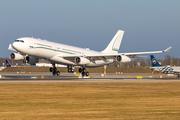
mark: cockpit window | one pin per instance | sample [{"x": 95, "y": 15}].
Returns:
[{"x": 19, "y": 41}]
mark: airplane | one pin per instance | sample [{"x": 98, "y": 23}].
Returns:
[
  {"x": 7, "y": 63},
  {"x": 30, "y": 50},
  {"x": 164, "y": 69}
]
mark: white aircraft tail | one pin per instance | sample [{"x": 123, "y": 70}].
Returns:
[{"x": 115, "y": 43}]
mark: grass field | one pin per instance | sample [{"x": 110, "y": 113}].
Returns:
[{"x": 90, "y": 100}]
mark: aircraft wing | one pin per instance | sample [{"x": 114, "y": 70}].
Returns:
[
  {"x": 104, "y": 56},
  {"x": 132, "y": 55}
]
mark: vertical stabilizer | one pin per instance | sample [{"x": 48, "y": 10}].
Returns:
[
  {"x": 7, "y": 63},
  {"x": 115, "y": 43},
  {"x": 154, "y": 62}
]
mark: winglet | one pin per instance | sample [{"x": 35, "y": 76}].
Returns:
[{"x": 166, "y": 50}]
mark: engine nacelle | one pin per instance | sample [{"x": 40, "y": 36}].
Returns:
[
  {"x": 123, "y": 58},
  {"x": 16, "y": 56},
  {"x": 31, "y": 60},
  {"x": 81, "y": 61}
]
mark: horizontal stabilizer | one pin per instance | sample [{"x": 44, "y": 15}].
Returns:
[{"x": 11, "y": 48}]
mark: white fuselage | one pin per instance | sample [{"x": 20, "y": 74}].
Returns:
[
  {"x": 54, "y": 51},
  {"x": 167, "y": 69}
]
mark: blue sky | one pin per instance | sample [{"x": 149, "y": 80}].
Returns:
[{"x": 148, "y": 25}]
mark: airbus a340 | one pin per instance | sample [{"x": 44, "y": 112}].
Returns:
[{"x": 30, "y": 50}]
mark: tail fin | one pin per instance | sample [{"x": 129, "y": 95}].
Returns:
[
  {"x": 7, "y": 63},
  {"x": 154, "y": 62},
  {"x": 115, "y": 43}
]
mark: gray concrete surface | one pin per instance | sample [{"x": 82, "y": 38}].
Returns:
[{"x": 95, "y": 77}]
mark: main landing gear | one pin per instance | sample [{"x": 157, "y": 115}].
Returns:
[
  {"x": 54, "y": 70},
  {"x": 83, "y": 71},
  {"x": 178, "y": 76},
  {"x": 70, "y": 69}
]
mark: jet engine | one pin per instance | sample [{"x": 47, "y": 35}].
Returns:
[
  {"x": 123, "y": 58},
  {"x": 81, "y": 61},
  {"x": 30, "y": 60},
  {"x": 16, "y": 56}
]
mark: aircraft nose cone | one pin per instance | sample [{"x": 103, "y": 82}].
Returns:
[{"x": 14, "y": 45}]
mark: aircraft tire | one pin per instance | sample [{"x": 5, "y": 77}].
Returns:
[
  {"x": 55, "y": 69},
  {"x": 84, "y": 69},
  {"x": 58, "y": 73},
  {"x": 54, "y": 73},
  {"x": 69, "y": 70},
  {"x": 80, "y": 70},
  {"x": 51, "y": 69},
  {"x": 87, "y": 73},
  {"x": 83, "y": 73}
]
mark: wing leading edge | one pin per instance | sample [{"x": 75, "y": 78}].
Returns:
[{"x": 134, "y": 54}]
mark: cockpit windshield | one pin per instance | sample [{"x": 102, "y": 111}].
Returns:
[{"x": 19, "y": 41}]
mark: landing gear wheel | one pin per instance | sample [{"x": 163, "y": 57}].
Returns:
[
  {"x": 80, "y": 70},
  {"x": 84, "y": 69},
  {"x": 51, "y": 69},
  {"x": 83, "y": 73},
  {"x": 58, "y": 73},
  {"x": 54, "y": 73},
  {"x": 178, "y": 76},
  {"x": 70, "y": 69},
  {"x": 55, "y": 69},
  {"x": 87, "y": 73}
]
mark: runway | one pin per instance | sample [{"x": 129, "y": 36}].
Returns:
[{"x": 95, "y": 77}]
